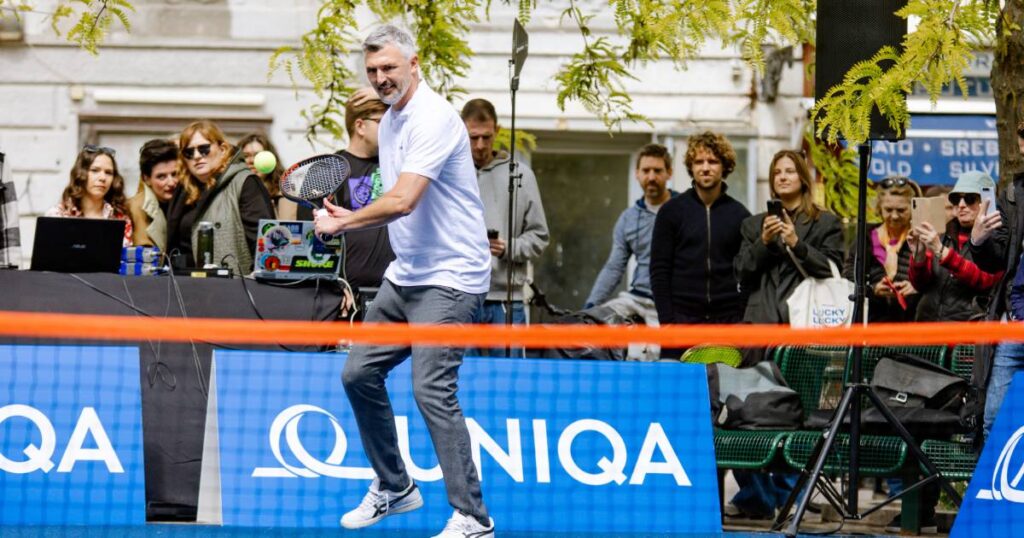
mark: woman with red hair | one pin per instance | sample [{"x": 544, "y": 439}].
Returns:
[{"x": 216, "y": 187}]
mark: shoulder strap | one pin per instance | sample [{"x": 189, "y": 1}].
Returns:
[{"x": 799, "y": 266}]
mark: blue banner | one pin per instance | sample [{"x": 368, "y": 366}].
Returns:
[
  {"x": 938, "y": 148},
  {"x": 562, "y": 446},
  {"x": 70, "y": 436},
  {"x": 994, "y": 503}
]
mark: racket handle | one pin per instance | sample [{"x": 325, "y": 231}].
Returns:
[{"x": 321, "y": 212}]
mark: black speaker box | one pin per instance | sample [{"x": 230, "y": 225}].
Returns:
[{"x": 851, "y": 31}]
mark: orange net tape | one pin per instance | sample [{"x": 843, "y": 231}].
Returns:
[{"x": 131, "y": 328}]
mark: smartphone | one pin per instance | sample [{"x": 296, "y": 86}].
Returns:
[
  {"x": 899, "y": 296},
  {"x": 775, "y": 208},
  {"x": 988, "y": 193},
  {"x": 492, "y": 233},
  {"x": 931, "y": 210}
]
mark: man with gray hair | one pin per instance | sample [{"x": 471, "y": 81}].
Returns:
[{"x": 440, "y": 275}]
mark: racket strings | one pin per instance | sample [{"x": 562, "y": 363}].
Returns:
[{"x": 315, "y": 180}]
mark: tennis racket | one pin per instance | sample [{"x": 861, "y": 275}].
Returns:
[{"x": 310, "y": 180}]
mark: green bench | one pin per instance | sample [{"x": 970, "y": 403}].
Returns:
[
  {"x": 955, "y": 460},
  {"x": 818, "y": 374},
  {"x": 806, "y": 370}
]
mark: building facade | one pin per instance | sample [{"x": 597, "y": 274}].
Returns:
[{"x": 190, "y": 59}]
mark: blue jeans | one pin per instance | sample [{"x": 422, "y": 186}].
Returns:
[
  {"x": 493, "y": 312},
  {"x": 761, "y": 493},
  {"x": 1008, "y": 360}
]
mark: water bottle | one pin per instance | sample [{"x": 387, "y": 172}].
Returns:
[{"x": 205, "y": 245}]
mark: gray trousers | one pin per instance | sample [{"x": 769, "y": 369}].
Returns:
[{"x": 435, "y": 376}]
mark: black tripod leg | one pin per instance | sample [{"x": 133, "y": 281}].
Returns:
[
  {"x": 912, "y": 445},
  {"x": 819, "y": 455}
]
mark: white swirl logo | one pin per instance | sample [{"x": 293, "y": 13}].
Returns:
[
  {"x": 287, "y": 422},
  {"x": 1003, "y": 488}
]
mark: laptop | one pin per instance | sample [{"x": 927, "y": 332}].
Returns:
[
  {"x": 77, "y": 245},
  {"x": 289, "y": 250}
]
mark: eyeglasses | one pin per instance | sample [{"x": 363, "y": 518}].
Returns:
[
  {"x": 190, "y": 152},
  {"x": 92, "y": 148},
  {"x": 969, "y": 198},
  {"x": 896, "y": 181}
]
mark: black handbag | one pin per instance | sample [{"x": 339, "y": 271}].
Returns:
[
  {"x": 907, "y": 381},
  {"x": 929, "y": 400}
]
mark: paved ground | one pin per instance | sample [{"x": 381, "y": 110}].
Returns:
[{"x": 829, "y": 522}]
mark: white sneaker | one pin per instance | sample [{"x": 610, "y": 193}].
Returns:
[
  {"x": 378, "y": 504},
  {"x": 461, "y": 526}
]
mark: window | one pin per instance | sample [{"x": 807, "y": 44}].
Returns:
[{"x": 585, "y": 181}]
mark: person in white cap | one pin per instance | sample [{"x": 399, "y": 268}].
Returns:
[{"x": 952, "y": 286}]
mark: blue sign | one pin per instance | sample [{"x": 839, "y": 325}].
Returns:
[
  {"x": 994, "y": 503},
  {"x": 70, "y": 436},
  {"x": 939, "y": 148},
  {"x": 561, "y": 446}
]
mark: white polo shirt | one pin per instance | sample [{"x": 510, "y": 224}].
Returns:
[{"x": 443, "y": 242}]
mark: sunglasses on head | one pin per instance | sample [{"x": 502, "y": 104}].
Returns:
[
  {"x": 92, "y": 148},
  {"x": 1020, "y": 132},
  {"x": 891, "y": 182},
  {"x": 969, "y": 198},
  {"x": 190, "y": 152}
]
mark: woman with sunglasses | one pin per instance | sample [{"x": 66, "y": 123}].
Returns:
[
  {"x": 218, "y": 187},
  {"x": 891, "y": 296},
  {"x": 952, "y": 286},
  {"x": 766, "y": 268},
  {"x": 95, "y": 190},
  {"x": 253, "y": 143}
]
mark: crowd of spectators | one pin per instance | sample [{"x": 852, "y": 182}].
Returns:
[{"x": 700, "y": 256}]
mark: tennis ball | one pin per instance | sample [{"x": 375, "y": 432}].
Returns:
[{"x": 264, "y": 162}]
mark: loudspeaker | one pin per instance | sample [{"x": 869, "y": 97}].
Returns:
[{"x": 851, "y": 31}]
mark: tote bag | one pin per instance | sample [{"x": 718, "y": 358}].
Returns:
[{"x": 820, "y": 302}]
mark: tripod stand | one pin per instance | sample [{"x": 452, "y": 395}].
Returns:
[{"x": 850, "y": 405}]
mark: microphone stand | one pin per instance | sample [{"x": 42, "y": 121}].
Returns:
[
  {"x": 514, "y": 176},
  {"x": 520, "y": 48},
  {"x": 5, "y": 262}
]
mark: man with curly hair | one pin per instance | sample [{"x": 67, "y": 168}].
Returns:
[{"x": 696, "y": 236}]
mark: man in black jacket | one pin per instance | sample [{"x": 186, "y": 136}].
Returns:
[{"x": 696, "y": 237}]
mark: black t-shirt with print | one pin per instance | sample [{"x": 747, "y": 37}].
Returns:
[{"x": 367, "y": 252}]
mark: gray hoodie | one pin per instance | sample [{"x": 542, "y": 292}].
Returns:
[
  {"x": 631, "y": 237},
  {"x": 530, "y": 225}
]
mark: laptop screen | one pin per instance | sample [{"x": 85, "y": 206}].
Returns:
[{"x": 77, "y": 245}]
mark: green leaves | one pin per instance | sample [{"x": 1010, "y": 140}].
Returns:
[
  {"x": 525, "y": 142},
  {"x": 593, "y": 77},
  {"x": 95, "y": 18},
  {"x": 840, "y": 169},
  {"x": 935, "y": 54},
  {"x": 779, "y": 23},
  {"x": 322, "y": 60}
]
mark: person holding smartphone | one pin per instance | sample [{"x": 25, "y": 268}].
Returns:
[
  {"x": 795, "y": 223},
  {"x": 891, "y": 296},
  {"x": 952, "y": 286},
  {"x": 794, "y": 230}
]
